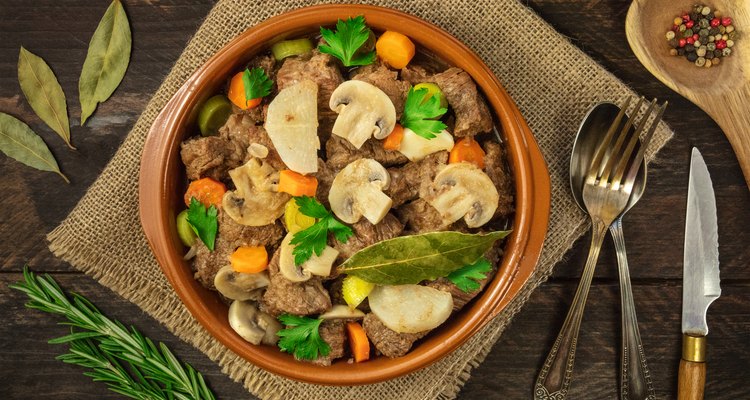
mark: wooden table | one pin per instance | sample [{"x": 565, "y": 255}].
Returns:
[{"x": 33, "y": 203}]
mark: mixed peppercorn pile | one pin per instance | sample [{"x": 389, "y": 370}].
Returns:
[{"x": 703, "y": 36}]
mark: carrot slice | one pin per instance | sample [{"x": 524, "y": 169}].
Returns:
[
  {"x": 468, "y": 150},
  {"x": 393, "y": 140},
  {"x": 207, "y": 191},
  {"x": 249, "y": 259},
  {"x": 395, "y": 49},
  {"x": 358, "y": 341},
  {"x": 297, "y": 184},
  {"x": 236, "y": 93}
]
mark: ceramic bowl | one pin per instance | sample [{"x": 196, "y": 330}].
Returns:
[{"x": 162, "y": 184}]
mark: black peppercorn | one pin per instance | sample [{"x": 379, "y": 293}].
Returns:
[
  {"x": 717, "y": 53},
  {"x": 674, "y": 43},
  {"x": 689, "y": 48},
  {"x": 713, "y": 31},
  {"x": 709, "y": 55},
  {"x": 710, "y": 16},
  {"x": 692, "y": 57}
]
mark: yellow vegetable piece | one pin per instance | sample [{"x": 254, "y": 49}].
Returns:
[
  {"x": 294, "y": 220},
  {"x": 433, "y": 90},
  {"x": 355, "y": 290}
]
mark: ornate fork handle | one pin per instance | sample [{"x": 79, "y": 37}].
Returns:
[
  {"x": 557, "y": 372},
  {"x": 635, "y": 380}
]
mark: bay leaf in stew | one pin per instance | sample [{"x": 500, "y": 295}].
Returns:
[{"x": 415, "y": 258}]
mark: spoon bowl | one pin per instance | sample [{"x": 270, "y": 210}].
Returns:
[
  {"x": 587, "y": 140},
  {"x": 722, "y": 91}
]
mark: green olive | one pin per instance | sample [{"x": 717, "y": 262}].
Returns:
[
  {"x": 288, "y": 48},
  {"x": 214, "y": 114},
  {"x": 433, "y": 90},
  {"x": 184, "y": 230}
]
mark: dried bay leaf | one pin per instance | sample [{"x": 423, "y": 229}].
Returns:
[
  {"x": 107, "y": 60},
  {"x": 412, "y": 259},
  {"x": 18, "y": 141},
  {"x": 43, "y": 92}
]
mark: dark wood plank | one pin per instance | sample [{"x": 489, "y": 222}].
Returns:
[{"x": 38, "y": 201}]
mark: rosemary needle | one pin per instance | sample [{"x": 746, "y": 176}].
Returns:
[{"x": 128, "y": 362}]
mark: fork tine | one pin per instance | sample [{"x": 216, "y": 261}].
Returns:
[
  {"x": 633, "y": 171},
  {"x": 616, "y": 149},
  {"x": 596, "y": 164},
  {"x": 626, "y": 155}
]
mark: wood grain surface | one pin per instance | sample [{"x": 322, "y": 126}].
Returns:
[{"x": 35, "y": 202}]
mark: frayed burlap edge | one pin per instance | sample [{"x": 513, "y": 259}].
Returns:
[{"x": 102, "y": 235}]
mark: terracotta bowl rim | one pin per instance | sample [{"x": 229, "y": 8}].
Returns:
[{"x": 158, "y": 196}]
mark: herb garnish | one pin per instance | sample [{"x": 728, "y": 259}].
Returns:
[
  {"x": 256, "y": 82},
  {"x": 18, "y": 141},
  {"x": 416, "y": 258},
  {"x": 419, "y": 111},
  {"x": 466, "y": 278},
  {"x": 344, "y": 44},
  {"x": 204, "y": 222},
  {"x": 129, "y": 363},
  {"x": 303, "y": 338},
  {"x": 314, "y": 238}
]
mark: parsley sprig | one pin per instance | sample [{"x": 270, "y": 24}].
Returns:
[
  {"x": 419, "y": 110},
  {"x": 204, "y": 222},
  {"x": 256, "y": 82},
  {"x": 302, "y": 337},
  {"x": 466, "y": 278},
  {"x": 128, "y": 362},
  {"x": 314, "y": 238},
  {"x": 346, "y": 42}
]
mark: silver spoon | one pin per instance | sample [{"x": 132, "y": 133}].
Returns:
[{"x": 635, "y": 381}]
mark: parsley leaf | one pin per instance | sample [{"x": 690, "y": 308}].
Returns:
[
  {"x": 256, "y": 82},
  {"x": 303, "y": 338},
  {"x": 314, "y": 238},
  {"x": 466, "y": 278},
  {"x": 204, "y": 222},
  {"x": 344, "y": 44},
  {"x": 419, "y": 109}
]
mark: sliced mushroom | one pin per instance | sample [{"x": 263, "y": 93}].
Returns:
[
  {"x": 364, "y": 111},
  {"x": 240, "y": 286},
  {"x": 416, "y": 147},
  {"x": 316, "y": 265},
  {"x": 341, "y": 311},
  {"x": 357, "y": 190},
  {"x": 252, "y": 324},
  {"x": 410, "y": 308},
  {"x": 463, "y": 190},
  {"x": 292, "y": 125},
  {"x": 255, "y": 201}
]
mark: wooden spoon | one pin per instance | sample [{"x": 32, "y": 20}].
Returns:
[{"x": 722, "y": 91}]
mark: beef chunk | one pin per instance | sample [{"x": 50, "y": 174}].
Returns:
[
  {"x": 207, "y": 263},
  {"x": 340, "y": 153},
  {"x": 366, "y": 234},
  {"x": 241, "y": 130},
  {"x": 264, "y": 62},
  {"x": 386, "y": 80},
  {"x": 388, "y": 342},
  {"x": 414, "y": 74},
  {"x": 332, "y": 332},
  {"x": 420, "y": 217},
  {"x": 322, "y": 69},
  {"x": 472, "y": 114},
  {"x": 210, "y": 157},
  {"x": 407, "y": 181},
  {"x": 496, "y": 169},
  {"x": 325, "y": 176},
  {"x": 299, "y": 298},
  {"x": 237, "y": 235},
  {"x": 460, "y": 298}
]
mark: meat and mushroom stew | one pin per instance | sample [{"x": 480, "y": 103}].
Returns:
[{"x": 346, "y": 195}]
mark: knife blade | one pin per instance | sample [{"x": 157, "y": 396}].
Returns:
[{"x": 700, "y": 281}]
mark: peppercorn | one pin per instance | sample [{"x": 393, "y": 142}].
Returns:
[
  {"x": 726, "y": 21},
  {"x": 717, "y": 14},
  {"x": 697, "y": 44},
  {"x": 710, "y": 16},
  {"x": 682, "y": 42},
  {"x": 726, "y": 52},
  {"x": 718, "y": 53},
  {"x": 722, "y": 29},
  {"x": 730, "y": 29},
  {"x": 730, "y": 43},
  {"x": 713, "y": 31},
  {"x": 673, "y": 52},
  {"x": 720, "y": 44},
  {"x": 689, "y": 48},
  {"x": 689, "y": 24},
  {"x": 703, "y": 23},
  {"x": 697, "y": 8},
  {"x": 709, "y": 55},
  {"x": 716, "y": 61},
  {"x": 732, "y": 35},
  {"x": 702, "y": 32},
  {"x": 692, "y": 57},
  {"x": 711, "y": 46},
  {"x": 670, "y": 35},
  {"x": 690, "y": 40},
  {"x": 708, "y": 64},
  {"x": 694, "y": 16},
  {"x": 701, "y": 51},
  {"x": 677, "y": 21},
  {"x": 705, "y": 10},
  {"x": 682, "y": 28},
  {"x": 700, "y": 61},
  {"x": 681, "y": 52},
  {"x": 715, "y": 22}
]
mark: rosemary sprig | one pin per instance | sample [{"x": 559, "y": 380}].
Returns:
[{"x": 129, "y": 363}]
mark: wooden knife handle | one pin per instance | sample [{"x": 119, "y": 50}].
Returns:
[{"x": 692, "y": 374}]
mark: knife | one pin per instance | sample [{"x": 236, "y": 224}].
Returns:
[{"x": 700, "y": 280}]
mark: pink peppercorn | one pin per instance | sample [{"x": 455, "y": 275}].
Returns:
[
  {"x": 690, "y": 40},
  {"x": 685, "y": 17},
  {"x": 726, "y": 21},
  {"x": 715, "y": 22},
  {"x": 721, "y": 44},
  {"x": 682, "y": 42},
  {"x": 689, "y": 24},
  {"x": 696, "y": 36}
]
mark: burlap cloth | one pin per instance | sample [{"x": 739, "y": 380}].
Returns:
[{"x": 102, "y": 235}]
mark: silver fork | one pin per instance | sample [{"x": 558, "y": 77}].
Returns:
[{"x": 606, "y": 192}]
